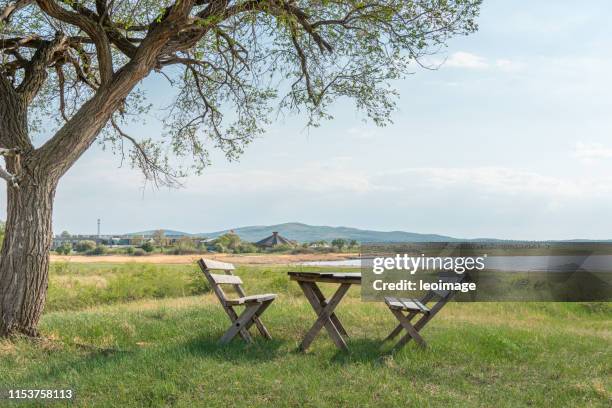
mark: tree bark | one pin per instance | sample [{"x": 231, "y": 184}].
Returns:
[
  {"x": 24, "y": 262},
  {"x": 24, "y": 259}
]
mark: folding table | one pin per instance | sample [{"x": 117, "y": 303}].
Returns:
[{"x": 324, "y": 308}]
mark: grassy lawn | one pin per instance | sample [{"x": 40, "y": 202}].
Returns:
[{"x": 146, "y": 335}]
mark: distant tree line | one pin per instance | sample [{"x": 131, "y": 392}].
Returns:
[{"x": 226, "y": 243}]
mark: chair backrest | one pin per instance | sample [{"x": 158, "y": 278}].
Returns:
[
  {"x": 217, "y": 279},
  {"x": 444, "y": 295}
]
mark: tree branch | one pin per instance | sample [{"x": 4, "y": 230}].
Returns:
[
  {"x": 6, "y": 88},
  {"x": 304, "y": 68},
  {"x": 234, "y": 52},
  {"x": 11, "y": 179},
  {"x": 7, "y": 12},
  {"x": 91, "y": 27},
  {"x": 36, "y": 70},
  {"x": 302, "y": 19},
  {"x": 72, "y": 139},
  {"x": 149, "y": 166},
  {"x": 61, "y": 81}
]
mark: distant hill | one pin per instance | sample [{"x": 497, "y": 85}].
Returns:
[
  {"x": 167, "y": 232},
  {"x": 303, "y": 233}
]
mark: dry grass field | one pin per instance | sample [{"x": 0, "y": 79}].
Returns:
[{"x": 239, "y": 259}]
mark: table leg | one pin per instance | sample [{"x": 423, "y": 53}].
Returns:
[
  {"x": 323, "y": 312},
  {"x": 333, "y": 316},
  {"x": 311, "y": 291}
]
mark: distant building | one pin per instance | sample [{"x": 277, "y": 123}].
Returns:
[
  {"x": 73, "y": 240},
  {"x": 319, "y": 244},
  {"x": 274, "y": 240},
  {"x": 124, "y": 240},
  {"x": 137, "y": 240}
]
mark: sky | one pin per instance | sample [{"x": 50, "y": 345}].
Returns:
[{"x": 510, "y": 138}]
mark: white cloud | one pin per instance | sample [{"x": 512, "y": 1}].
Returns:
[
  {"x": 498, "y": 181},
  {"x": 313, "y": 177},
  {"x": 509, "y": 65},
  {"x": 590, "y": 152},
  {"x": 363, "y": 133},
  {"x": 461, "y": 59},
  {"x": 341, "y": 177},
  {"x": 468, "y": 60}
]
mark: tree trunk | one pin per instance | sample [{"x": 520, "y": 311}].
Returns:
[{"x": 24, "y": 260}]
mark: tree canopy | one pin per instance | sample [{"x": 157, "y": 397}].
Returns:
[
  {"x": 234, "y": 65},
  {"x": 231, "y": 65}
]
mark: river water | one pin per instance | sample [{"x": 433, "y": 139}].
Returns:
[{"x": 594, "y": 263}]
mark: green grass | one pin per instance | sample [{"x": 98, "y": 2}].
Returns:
[
  {"x": 77, "y": 286},
  {"x": 143, "y": 339}
]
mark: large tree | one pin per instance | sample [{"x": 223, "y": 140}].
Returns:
[{"x": 70, "y": 73}]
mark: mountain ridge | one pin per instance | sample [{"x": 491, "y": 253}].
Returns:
[
  {"x": 304, "y": 233},
  {"x": 301, "y": 232}
]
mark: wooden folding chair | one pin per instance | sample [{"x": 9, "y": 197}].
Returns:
[
  {"x": 254, "y": 305},
  {"x": 405, "y": 310}
]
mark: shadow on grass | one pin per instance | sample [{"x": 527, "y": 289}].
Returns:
[
  {"x": 360, "y": 350},
  {"x": 236, "y": 351},
  {"x": 371, "y": 351},
  {"x": 96, "y": 357},
  {"x": 206, "y": 345}
]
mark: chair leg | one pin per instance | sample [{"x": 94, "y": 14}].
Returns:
[
  {"x": 412, "y": 332},
  {"x": 398, "y": 329},
  {"x": 241, "y": 323},
  {"x": 262, "y": 328},
  {"x": 246, "y": 336},
  {"x": 257, "y": 321}
]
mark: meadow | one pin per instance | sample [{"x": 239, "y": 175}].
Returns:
[{"x": 145, "y": 335}]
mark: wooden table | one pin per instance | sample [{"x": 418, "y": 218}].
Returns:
[{"x": 324, "y": 308}]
